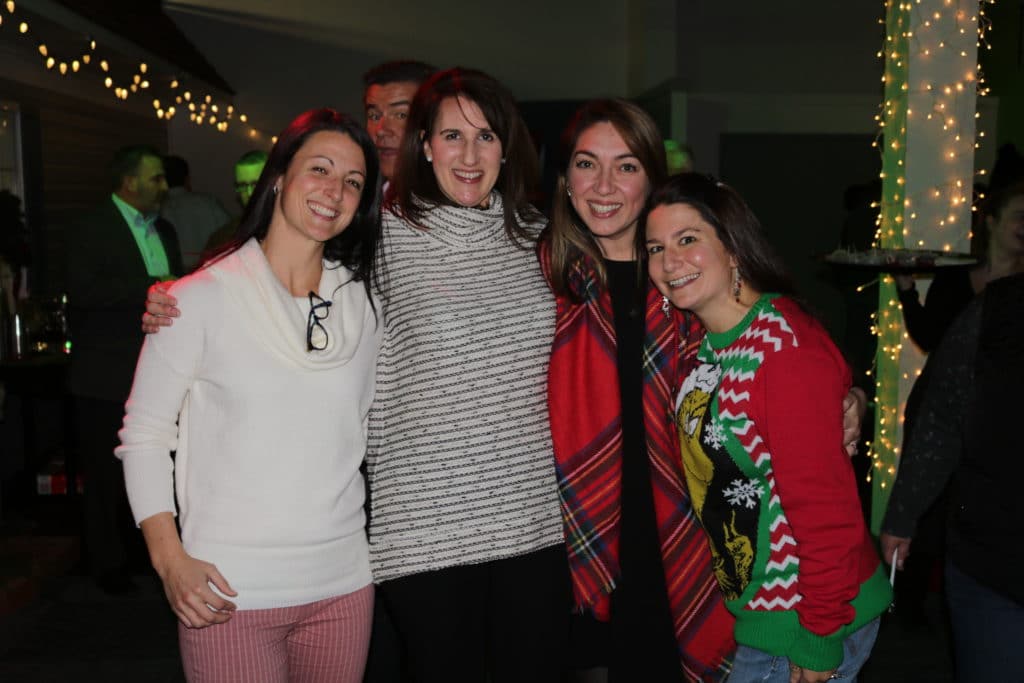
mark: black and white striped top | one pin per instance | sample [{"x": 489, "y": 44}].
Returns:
[{"x": 459, "y": 461}]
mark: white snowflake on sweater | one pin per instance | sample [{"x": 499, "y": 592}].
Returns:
[
  {"x": 745, "y": 492},
  {"x": 714, "y": 434}
]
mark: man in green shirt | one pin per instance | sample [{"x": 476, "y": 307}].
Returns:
[{"x": 113, "y": 254}]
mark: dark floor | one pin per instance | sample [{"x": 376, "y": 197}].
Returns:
[{"x": 56, "y": 625}]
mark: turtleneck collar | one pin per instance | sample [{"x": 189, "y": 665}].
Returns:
[
  {"x": 462, "y": 226},
  {"x": 278, "y": 323}
]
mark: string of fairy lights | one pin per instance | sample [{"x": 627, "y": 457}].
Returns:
[
  {"x": 171, "y": 98},
  {"x": 900, "y": 214}
]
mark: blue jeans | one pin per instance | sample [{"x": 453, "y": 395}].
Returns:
[
  {"x": 988, "y": 630},
  {"x": 757, "y": 666}
]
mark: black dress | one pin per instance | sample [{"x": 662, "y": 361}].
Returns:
[{"x": 638, "y": 643}]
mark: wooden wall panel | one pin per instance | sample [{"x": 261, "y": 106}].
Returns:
[{"x": 66, "y": 146}]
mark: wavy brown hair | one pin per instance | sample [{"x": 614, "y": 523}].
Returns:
[{"x": 570, "y": 239}]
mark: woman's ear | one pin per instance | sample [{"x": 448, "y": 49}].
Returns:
[{"x": 426, "y": 147}]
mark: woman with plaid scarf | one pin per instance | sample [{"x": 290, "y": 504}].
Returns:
[{"x": 647, "y": 602}]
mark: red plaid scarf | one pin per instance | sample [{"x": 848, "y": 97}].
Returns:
[{"x": 587, "y": 433}]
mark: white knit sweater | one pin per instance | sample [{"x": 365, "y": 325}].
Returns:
[
  {"x": 460, "y": 462},
  {"x": 270, "y": 436}
]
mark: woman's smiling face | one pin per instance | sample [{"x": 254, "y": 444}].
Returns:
[
  {"x": 319, "y": 193},
  {"x": 608, "y": 188},
  {"x": 465, "y": 152}
]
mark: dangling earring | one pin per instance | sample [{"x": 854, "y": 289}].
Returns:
[
  {"x": 430, "y": 159},
  {"x": 737, "y": 284},
  {"x": 503, "y": 160},
  {"x": 666, "y": 307},
  {"x": 568, "y": 191}
]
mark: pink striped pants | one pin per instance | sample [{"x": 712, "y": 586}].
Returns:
[{"x": 319, "y": 642}]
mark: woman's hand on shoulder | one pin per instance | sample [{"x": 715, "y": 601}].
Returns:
[{"x": 160, "y": 308}]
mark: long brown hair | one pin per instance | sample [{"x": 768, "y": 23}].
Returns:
[
  {"x": 414, "y": 190},
  {"x": 570, "y": 239}
]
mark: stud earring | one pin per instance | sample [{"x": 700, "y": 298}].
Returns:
[
  {"x": 737, "y": 284},
  {"x": 568, "y": 191},
  {"x": 666, "y": 307}
]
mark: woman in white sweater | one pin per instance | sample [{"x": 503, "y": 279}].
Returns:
[{"x": 262, "y": 389}]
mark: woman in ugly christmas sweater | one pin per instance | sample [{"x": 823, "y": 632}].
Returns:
[{"x": 761, "y": 437}]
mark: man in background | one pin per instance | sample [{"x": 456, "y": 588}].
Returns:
[
  {"x": 389, "y": 89},
  {"x": 113, "y": 254},
  {"x": 247, "y": 171},
  {"x": 195, "y": 216}
]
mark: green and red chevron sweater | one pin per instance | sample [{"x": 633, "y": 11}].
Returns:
[{"x": 760, "y": 426}]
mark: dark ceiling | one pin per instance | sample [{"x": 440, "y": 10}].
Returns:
[{"x": 144, "y": 23}]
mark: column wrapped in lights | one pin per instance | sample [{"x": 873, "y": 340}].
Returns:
[
  {"x": 928, "y": 141},
  {"x": 888, "y": 321}
]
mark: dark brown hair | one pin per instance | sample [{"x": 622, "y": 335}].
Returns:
[
  {"x": 356, "y": 246},
  {"x": 414, "y": 189},
  {"x": 571, "y": 240},
  {"x": 734, "y": 223}
]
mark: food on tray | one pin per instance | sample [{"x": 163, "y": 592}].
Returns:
[{"x": 899, "y": 258}]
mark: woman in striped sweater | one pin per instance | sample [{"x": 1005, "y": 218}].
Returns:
[{"x": 465, "y": 531}]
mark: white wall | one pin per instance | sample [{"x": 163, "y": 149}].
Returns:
[{"x": 784, "y": 66}]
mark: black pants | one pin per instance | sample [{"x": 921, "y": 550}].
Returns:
[
  {"x": 503, "y": 621},
  {"x": 385, "y": 662},
  {"x": 109, "y": 528}
]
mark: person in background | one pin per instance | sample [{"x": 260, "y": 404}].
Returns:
[
  {"x": 678, "y": 157},
  {"x": 760, "y": 431},
  {"x": 113, "y": 254},
  {"x": 248, "y": 169},
  {"x": 998, "y": 244},
  {"x": 15, "y": 247},
  {"x": 195, "y": 216},
  {"x": 964, "y": 437},
  {"x": 247, "y": 172},
  {"x": 388, "y": 90},
  {"x": 387, "y": 95},
  {"x": 262, "y": 389}
]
